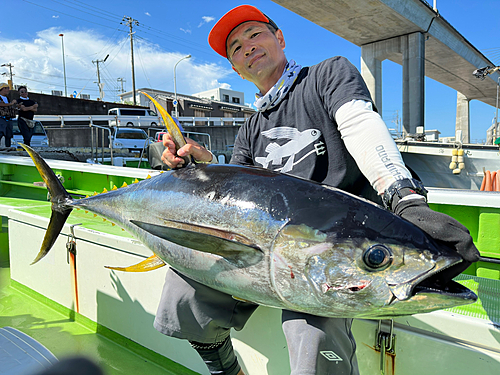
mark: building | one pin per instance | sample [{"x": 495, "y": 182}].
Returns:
[
  {"x": 223, "y": 95},
  {"x": 208, "y": 120},
  {"x": 215, "y": 103}
]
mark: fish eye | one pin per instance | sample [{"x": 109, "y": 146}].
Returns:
[{"x": 377, "y": 257}]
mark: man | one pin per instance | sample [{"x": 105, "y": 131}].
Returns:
[
  {"x": 27, "y": 109},
  {"x": 7, "y": 113},
  {"x": 317, "y": 123}
]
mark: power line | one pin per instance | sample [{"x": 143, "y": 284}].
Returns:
[
  {"x": 144, "y": 71},
  {"x": 107, "y": 18},
  {"x": 174, "y": 38},
  {"x": 92, "y": 8},
  {"x": 51, "y": 84},
  {"x": 50, "y": 75},
  {"x": 69, "y": 15}
]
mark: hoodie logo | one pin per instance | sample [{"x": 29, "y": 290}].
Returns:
[{"x": 297, "y": 141}]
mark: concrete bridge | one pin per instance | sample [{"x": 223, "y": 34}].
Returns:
[{"x": 414, "y": 35}]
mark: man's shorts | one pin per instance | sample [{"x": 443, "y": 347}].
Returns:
[{"x": 192, "y": 311}]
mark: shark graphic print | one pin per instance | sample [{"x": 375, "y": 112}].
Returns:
[{"x": 295, "y": 142}]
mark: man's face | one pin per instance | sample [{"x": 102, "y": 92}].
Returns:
[
  {"x": 5, "y": 91},
  {"x": 23, "y": 93},
  {"x": 255, "y": 51}
]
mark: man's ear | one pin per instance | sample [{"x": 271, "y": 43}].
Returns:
[
  {"x": 281, "y": 38},
  {"x": 237, "y": 72}
]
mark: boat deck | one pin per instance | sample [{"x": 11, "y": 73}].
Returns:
[
  {"x": 116, "y": 310},
  {"x": 65, "y": 336}
]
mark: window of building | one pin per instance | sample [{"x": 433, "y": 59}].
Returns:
[
  {"x": 246, "y": 115},
  {"x": 236, "y": 100},
  {"x": 225, "y": 98},
  {"x": 200, "y": 113}
]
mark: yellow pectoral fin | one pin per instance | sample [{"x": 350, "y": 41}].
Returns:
[
  {"x": 241, "y": 299},
  {"x": 150, "y": 264}
]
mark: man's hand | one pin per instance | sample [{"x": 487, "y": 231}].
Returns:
[
  {"x": 173, "y": 158},
  {"x": 442, "y": 228}
]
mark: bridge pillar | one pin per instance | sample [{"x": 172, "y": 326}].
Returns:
[
  {"x": 371, "y": 71},
  {"x": 413, "y": 48},
  {"x": 372, "y": 56},
  {"x": 462, "y": 123}
]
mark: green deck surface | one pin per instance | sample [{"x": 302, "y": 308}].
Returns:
[
  {"x": 487, "y": 306},
  {"x": 65, "y": 334},
  {"x": 43, "y": 209},
  {"x": 61, "y": 330}
]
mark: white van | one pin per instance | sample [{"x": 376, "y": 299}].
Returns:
[{"x": 133, "y": 117}]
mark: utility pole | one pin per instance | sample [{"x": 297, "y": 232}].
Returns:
[
  {"x": 101, "y": 92},
  {"x": 130, "y": 23},
  {"x": 121, "y": 80},
  {"x": 10, "y": 66}
]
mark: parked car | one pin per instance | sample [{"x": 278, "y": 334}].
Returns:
[
  {"x": 133, "y": 117},
  {"x": 133, "y": 139},
  {"x": 39, "y": 138}
]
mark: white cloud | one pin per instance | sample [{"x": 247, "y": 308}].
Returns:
[
  {"x": 206, "y": 19},
  {"x": 147, "y": 14},
  {"x": 55, "y": 16},
  {"x": 38, "y": 63},
  {"x": 186, "y": 31}
]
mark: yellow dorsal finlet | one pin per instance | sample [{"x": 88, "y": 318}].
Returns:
[{"x": 124, "y": 184}]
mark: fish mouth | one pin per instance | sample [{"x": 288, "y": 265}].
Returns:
[{"x": 441, "y": 284}]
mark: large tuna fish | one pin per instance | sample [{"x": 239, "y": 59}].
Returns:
[{"x": 276, "y": 240}]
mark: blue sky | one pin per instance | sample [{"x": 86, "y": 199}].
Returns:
[{"x": 169, "y": 30}]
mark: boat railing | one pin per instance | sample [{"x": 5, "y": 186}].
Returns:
[
  {"x": 94, "y": 142},
  {"x": 73, "y": 118},
  {"x": 186, "y": 133},
  {"x": 211, "y": 121},
  {"x": 183, "y": 120}
]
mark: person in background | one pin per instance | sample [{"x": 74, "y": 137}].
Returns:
[
  {"x": 318, "y": 123},
  {"x": 27, "y": 109},
  {"x": 7, "y": 113}
]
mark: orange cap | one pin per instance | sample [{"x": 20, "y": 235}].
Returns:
[{"x": 229, "y": 21}]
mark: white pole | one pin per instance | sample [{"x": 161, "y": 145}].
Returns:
[
  {"x": 64, "y": 65},
  {"x": 175, "y": 85}
]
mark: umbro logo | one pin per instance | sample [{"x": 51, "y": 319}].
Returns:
[{"x": 331, "y": 356}]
